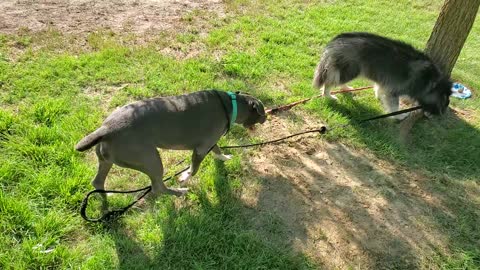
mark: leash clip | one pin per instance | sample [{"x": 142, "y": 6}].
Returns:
[{"x": 322, "y": 130}]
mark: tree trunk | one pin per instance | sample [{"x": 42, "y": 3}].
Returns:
[{"x": 450, "y": 32}]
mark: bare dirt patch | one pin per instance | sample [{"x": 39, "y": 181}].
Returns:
[
  {"x": 173, "y": 27},
  {"x": 82, "y": 16},
  {"x": 345, "y": 207}
]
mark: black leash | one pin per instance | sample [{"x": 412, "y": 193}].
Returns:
[
  {"x": 114, "y": 214},
  {"x": 390, "y": 114},
  {"x": 323, "y": 129},
  {"x": 320, "y": 130}
]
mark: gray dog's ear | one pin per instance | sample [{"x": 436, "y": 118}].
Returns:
[{"x": 256, "y": 105}]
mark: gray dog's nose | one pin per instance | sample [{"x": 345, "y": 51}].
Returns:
[{"x": 264, "y": 119}]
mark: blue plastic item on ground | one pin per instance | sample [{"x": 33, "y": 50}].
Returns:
[{"x": 460, "y": 91}]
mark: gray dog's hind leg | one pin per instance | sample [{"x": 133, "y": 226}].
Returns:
[
  {"x": 143, "y": 158},
  {"x": 217, "y": 153},
  {"x": 153, "y": 167},
  {"x": 98, "y": 182}
]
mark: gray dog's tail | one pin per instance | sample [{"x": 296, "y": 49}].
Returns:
[{"x": 91, "y": 139}]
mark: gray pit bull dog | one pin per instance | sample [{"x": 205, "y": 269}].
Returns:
[{"x": 130, "y": 136}]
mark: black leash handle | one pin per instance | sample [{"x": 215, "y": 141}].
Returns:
[
  {"x": 116, "y": 213},
  {"x": 113, "y": 214}
]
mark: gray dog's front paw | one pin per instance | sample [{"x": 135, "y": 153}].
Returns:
[{"x": 185, "y": 176}]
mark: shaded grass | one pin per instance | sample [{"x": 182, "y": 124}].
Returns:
[
  {"x": 52, "y": 96},
  {"x": 212, "y": 234}
]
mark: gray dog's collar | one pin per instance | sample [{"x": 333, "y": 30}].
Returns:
[
  {"x": 233, "y": 98},
  {"x": 233, "y": 117}
]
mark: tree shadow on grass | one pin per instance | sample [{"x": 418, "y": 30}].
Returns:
[
  {"x": 130, "y": 252},
  {"x": 401, "y": 208},
  {"x": 348, "y": 209},
  {"x": 442, "y": 145}
]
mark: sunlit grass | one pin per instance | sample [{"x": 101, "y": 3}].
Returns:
[{"x": 52, "y": 95}]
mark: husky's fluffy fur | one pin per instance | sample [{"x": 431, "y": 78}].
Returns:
[{"x": 397, "y": 69}]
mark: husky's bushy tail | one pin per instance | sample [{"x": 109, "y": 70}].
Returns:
[{"x": 320, "y": 73}]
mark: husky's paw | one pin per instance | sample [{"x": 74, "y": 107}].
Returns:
[
  {"x": 401, "y": 117},
  {"x": 331, "y": 97},
  {"x": 222, "y": 157},
  {"x": 179, "y": 191}
]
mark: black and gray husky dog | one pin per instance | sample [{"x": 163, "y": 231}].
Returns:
[{"x": 397, "y": 69}]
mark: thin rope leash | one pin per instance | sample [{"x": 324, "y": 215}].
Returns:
[{"x": 303, "y": 101}]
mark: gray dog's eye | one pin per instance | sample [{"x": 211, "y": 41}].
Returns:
[{"x": 259, "y": 108}]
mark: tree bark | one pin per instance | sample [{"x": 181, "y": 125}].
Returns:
[{"x": 450, "y": 32}]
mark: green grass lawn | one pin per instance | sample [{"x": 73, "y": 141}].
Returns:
[{"x": 52, "y": 94}]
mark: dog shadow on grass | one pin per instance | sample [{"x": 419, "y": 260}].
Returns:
[
  {"x": 131, "y": 253},
  {"x": 210, "y": 229}
]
